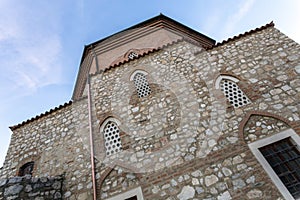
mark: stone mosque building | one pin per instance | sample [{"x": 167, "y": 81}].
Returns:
[{"x": 161, "y": 111}]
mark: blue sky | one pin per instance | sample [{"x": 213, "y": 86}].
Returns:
[{"x": 41, "y": 42}]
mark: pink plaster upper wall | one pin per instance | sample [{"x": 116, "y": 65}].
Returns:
[
  {"x": 144, "y": 37},
  {"x": 115, "y": 50}
]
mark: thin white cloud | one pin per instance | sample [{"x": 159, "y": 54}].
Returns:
[
  {"x": 32, "y": 48},
  {"x": 234, "y": 19},
  {"x": 43, "y": 59}
]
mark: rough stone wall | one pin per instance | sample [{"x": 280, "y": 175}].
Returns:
[
  {"x": 57, "y": 143},
  {"x": 117, "y": 179},
  {"x": 259, "y": 127},
  {"x": 182, "y": 141},
  {"x": 235, "y": 177},
  {"x": 31, "y": 188},
  {"x": 214, "y": 162}
]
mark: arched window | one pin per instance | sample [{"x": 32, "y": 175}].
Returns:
[
  {"x": 26, "y": 169},
  {"x": 132, "y": 55},
  {"x": 279, "y": 155},
  {"x": 111, "y": 133},
  {"x": 141, "y": 83},
  {"x": 231, "y": 90}
]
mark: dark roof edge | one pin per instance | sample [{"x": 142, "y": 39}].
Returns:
[
  {"x": 271, "y": 24},
  {"x": 41, "y": 115},
  {"x": 142, "y": 24}
]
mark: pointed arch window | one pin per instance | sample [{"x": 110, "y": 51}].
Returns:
[
  {"x": 26, "y": 169},
  {"x": 111, "y": 133},
  {"x": 141, "y": 83},
  {"x": 231, "y": 90}
]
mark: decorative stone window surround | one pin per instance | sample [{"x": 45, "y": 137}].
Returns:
[
  {"x": 116, "y": 135},
  {"x": 141, "y": 83},
  {"x": 254, "y": 147},
  {"x": 245, "y": 100},
  {"x": 131, "y": 193}
]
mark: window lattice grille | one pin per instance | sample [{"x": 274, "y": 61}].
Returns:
[
  {"x": 233, "y": 93},
  {"x": 112, "y": 138},
  {"x": 284, "y": 158},
  {"x": 141, "y": 85},
  {"x": 132, "y": 55}
]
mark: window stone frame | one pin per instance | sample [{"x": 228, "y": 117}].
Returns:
[
  {"x": 254, "y": 147},
  {"x": 132, "y": 78},
  {"x": 130, "y": 193},
  {"x": 136, "y": 72},
  {"x": 103, "y": 125},
  {"x": 235, "y": 81},
  {"x": 221, "y": 77}
]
